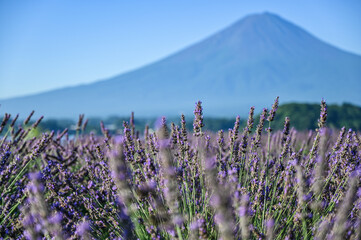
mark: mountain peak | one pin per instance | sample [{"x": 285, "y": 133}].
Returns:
[
  {"x": 258, "y": 18},
  {"x": 263, "y": 21},
  {"x": 262, "y": 15},
  {"x": 249, "y": 63}
]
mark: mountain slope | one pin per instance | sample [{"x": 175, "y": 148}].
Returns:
[{"x": 249, "y": 63}]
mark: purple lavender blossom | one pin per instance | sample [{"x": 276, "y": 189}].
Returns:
[{"x": 198, "y": 119}]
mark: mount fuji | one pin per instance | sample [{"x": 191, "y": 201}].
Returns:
[{"x": 247, "y": 64}]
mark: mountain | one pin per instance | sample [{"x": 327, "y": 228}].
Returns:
[{"x": 249, "y": 63}]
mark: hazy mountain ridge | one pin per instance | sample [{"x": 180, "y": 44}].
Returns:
[{"x": 248, "y": 63}]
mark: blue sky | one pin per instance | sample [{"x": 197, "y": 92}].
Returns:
[{"x": 47, "y": 44}]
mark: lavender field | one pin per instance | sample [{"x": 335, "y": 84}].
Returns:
[{"x": 170, "y": 183}]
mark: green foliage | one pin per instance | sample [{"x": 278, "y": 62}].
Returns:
[{"x": 304, "y": 116}]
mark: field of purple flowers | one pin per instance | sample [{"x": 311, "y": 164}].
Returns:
[{"x": 250, "y": 183}]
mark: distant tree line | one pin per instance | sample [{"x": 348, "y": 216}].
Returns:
[
  {"x": 302, "y": 117},
  {"x": 305, "y": 116}
]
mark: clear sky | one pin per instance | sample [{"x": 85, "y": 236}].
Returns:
[{"x": 47, "y": 44}]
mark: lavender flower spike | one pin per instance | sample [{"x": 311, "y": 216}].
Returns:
[{"x": 198, "y": 120}]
